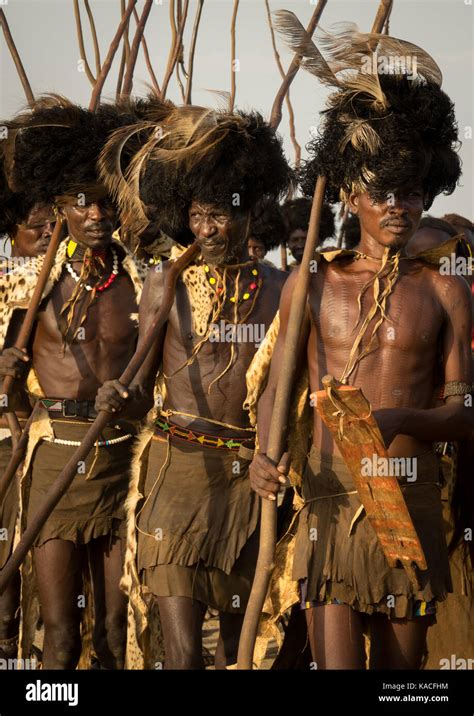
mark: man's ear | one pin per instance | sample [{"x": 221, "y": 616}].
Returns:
[
  {"x": 353, "y": 203},
  {"x": 62, "y": 212}
]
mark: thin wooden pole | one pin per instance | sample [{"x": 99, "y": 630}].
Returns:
[
  {"x": 232, "y": 57},
  {"x": 275, "y": 117},
  {"x": 95, "y": 41},
  {"x": 110, "y": 56},
  {"x": 192, "y": 49},
  {"x": 16, "y": 59},
  {"x": 80, "y": 40},
  {"x": 174, "y": 50},
  {"x": 296, "y": 145},
  {"x": 128, "y": 80}
]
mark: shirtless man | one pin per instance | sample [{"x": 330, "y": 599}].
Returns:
[
  {"x": 74, "y": 348},
  {"x": 29, "y": 229},
  {"x": 196, "y": 526},
  {"x": 345, "y": 581}
]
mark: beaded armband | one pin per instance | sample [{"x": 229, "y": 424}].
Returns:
[{"x": 456, "y": 387}]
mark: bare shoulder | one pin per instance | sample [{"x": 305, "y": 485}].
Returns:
[
  {"x": 453, "y": 291},
  {"x": 153, "y": 286},
  {"x": 275, "y": 276}
]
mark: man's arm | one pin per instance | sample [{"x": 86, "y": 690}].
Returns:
[
  {"x": 138, "y": 400},
  {"x": 265, "y": 478},
  {"x": 454, "y": 420},
  {"x": 15, "y": 363}
]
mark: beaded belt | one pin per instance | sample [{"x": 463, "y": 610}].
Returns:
[
  {"x": 202, "y": 439},
  {"x": 99, "y": 443}
]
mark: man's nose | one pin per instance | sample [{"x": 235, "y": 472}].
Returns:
[
  {"x": 207, "y": 229},
  {"x": 398, "y": 204},
  {"x": 48, "y": 229},
  {"x": 96, "y": 212}
]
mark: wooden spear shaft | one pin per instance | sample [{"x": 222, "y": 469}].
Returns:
[
  {"x": 17, "y": 455},
  {"x": 64, "y": 480},
  {"x": 30, "y": 317},
  {"x": 277, "y": 436},
  {"x": 28, "y": 322},
  {"x": 279, "y": 422}
]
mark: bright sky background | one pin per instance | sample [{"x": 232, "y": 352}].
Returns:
[{"x": 45, "y": 35}]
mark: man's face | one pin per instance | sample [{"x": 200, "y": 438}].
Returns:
[
  {"x": 392, "y": 222},
  {"x": 256, "y": 249},
  {"x": 93, "y": 224},
  {"x": 34, "y": 234},
  {"x": 221, "y": 235},
  {"x": 296, "y": 242}
]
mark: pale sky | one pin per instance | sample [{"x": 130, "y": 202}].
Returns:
[{"x": 44, "y": 32}]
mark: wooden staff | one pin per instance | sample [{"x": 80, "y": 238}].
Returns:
[
  {"x": 64, "y": 480},
  {"x": 279, "y": 422},
  {"x": 277, "y": 436},
  {"x": 17, "y": 455},
  {"x": 16, "y": 59},
  {"x": 28, "y": 323}
]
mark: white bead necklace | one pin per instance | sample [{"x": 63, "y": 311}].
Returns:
[{"x": 76, "y": 277}]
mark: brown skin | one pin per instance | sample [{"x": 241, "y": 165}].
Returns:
[
  {"x": 296, "y": 242},
  {"x": 223, "y": 240},
  {"x": 425, "y": 239},
  {"x": 109, "y": 343},
  {"x": 397, "y": 379},
  {"x": 31, "y": 239},
  {"x": 256, "y": 249}
]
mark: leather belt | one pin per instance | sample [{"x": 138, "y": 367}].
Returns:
[{"x": 70, "y": 408}]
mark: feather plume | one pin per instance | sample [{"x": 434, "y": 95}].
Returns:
[
  {"x": 299, "y": 41},
  {"x": 118, "y": 184},
  {"x": 348, "y": 49}
]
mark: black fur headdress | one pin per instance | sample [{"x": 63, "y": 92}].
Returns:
[
  {"x": 52, "y": 149},
  {"x": 388, "y": 125},
  {"x": 232, "y": 160}
]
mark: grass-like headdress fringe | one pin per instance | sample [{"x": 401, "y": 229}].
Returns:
[
  {"x": 232, "y": 160},
  {"x": 387, "y": 125}
]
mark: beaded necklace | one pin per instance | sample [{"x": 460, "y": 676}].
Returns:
[
  {"x": 108, "y": 282},
  {"x": 218, "y": 285}
]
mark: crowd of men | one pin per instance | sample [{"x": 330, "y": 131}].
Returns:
[{"x": 161, "y": 522}]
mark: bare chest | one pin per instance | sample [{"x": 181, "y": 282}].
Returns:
[
  {"x": 109, "y": 318},
  {"x": 342, "y": 309}
]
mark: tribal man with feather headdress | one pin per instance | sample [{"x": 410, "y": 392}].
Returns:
[
  {"x": 383, "y": 322},
  {"x": 204, "y": 172},
  {"x": 27, "y": 223},
  {"x": 85, "y": 332}
]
